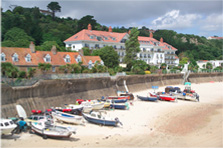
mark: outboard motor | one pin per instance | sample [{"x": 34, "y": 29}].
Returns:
[{"x": 117, "y": 120}]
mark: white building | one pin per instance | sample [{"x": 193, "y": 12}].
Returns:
[
  {"x": 215, "y": 63},
  {"x": 152, "y": 51}
]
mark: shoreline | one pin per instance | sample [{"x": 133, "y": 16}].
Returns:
[{"x": 150, "y": 124}]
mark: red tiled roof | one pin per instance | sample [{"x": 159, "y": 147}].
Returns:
[
  {"x": 216, "y": 37},
  {"x": 38, "y": 57},
  {"x": 85, "y": 35}
]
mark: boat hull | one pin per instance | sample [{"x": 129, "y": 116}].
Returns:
[
  {"x": 67, "y": 118},
  {"x": 100, "y": 121},
  {"x": 147, "y": 98}
]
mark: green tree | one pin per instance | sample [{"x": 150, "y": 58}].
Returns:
[
  {"x": 153, "y": 69},
  {"x": 44, "y": 67},
  {"x": 17, "y": 37},
  {"x": 108, "y": 55},
  {"x": 31, "y": 72},
  {"x": 47, "y": 46},
  {"x": 9, "y": 70},
  {"x": 209, "y": 65},
  {"x": 132, "y": 47},
  {"x": 54, "y": 7},
  {"x": 75, "y": 68},
  {"x": 22, "y": 74},
  {"x": 163, "y": 66},
  {"x": 84, "y": 21},
  {"x": 184, "y": 60},
  {"x": 86, "y": 51}
]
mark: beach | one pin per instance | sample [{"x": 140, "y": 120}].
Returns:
[{"x": 148, "y": 124}]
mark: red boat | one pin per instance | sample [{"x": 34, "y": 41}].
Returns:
[
  {"x": 118, "y": 97},
  {"x": 81, "y": 100},
  {"x": 167, "y": 98},
  {"x": 163, "y": 97}
]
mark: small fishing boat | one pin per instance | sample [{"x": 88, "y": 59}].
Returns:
[
  {"x": 167, "y": 98},
  {"x": 7, "y": 126},
  {"x": 98, "y": 118},
  {"x": 96, "y": 105},
  {"x": 118, "y": 105},
  {"x": 118, "y": 97},
  {"x": 147, "y": 98},
  {"x": 53, "y": 131},
  {"x": 67, "y": 118},
  {"x": 86, "y": 107}
]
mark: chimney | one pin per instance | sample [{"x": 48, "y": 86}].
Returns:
[
  {"x": 161, "y": 40},
  {"x": 89, "y": 27},
  {"x": 32, "y": 47},
  {"x": 110, "y": 29},
  {"x": 54, "y": 49},
  {"x": 129, "y": 31},
  {"x": 151, "y": 35}
]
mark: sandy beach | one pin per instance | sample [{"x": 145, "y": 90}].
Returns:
[{"x": 148, "y": 124}]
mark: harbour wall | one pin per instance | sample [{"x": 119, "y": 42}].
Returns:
[{"x": 48, "y": 93}]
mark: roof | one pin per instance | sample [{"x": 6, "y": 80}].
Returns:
[
  {"x": 38, "y": 57},
  {"x": 96, "y": 36},
  {"x": 218, "y": 38}
]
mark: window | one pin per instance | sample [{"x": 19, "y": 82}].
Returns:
[
  {"x": 78, "y": 59},
  {"x": 144, "y": 49},
  {"x": 106, "y": 38},
  {"x": 145, "y": 56},
  {"x": 47, "y": 58},
  {"x": 121, "y": 47},
  {"x": 90, "y": 64},
  {"x": 104, "y": 45},
  {"x": 3, "y": 57},
  {"x": 140, "y": 55},
  {"x": 67, "y": 59},
  {"x": 53, "y": 69},
  {"x": 158, "y": 50},
  {"x": 1, "y": 124},
  {"x": 113, "y": 39},
  {"x": 15, "y": 57},
  {"x": 28, "y": 58},
  {"x": 6, "y": 124},
  {"x": 96, "y": 45},
  {"x": 114, "y": 46},
  {"x": 69, "y": 45},
  {"x": 149, "y": 56},
  {"x": 91, "y": 37},
  {"x": 152, "y": 49},
  {"x": 99, "y": 38},
  {"x": 73, "y": 46},
  {"x": 86, "y": 45}
]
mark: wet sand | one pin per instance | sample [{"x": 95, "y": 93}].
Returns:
[{"x": 149, "y": 124}]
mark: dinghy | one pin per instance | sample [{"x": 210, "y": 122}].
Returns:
[{"x": 52, "y": 131}]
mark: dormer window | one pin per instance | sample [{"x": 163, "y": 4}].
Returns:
[
  {"x": 113, "y": 39},
  {"x": 47, "y": 58},
  {"x": 90, "y": 64},
  {"x": 28, "y": 58},
  {"x": 15, "y": 57},
  {"x": 78, "y": 59},
  {"x": 106, "y": 38},
  {"x": 91, "y": 37},
  {"x": 67, "y": 59},
  {"x": 3, "y": 57}
]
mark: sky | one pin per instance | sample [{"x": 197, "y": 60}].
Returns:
[{"x": 199, "y": 17}]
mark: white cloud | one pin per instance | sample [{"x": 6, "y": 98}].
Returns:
[
  {"x": 174, "y": 20},
  {"x": 212, "y": 22}
]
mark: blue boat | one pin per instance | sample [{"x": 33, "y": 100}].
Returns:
[
  {"x": 97, "y": 118},
  {"x": 147, "y": 98},
  {"x": 119, "y": 100}
]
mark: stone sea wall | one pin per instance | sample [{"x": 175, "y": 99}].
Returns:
[{"x": 48, "y": 93}]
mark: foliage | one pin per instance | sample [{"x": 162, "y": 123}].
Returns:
[
  {"x": 47, "y": 46},
  {"x": 84, "y": 21},
  {"x": 111, "y": 71},
  {"x": 153, "y": 69},
  {"x": 108, "y": 55},
  {"x": 132, "y": 47},
  {"x": 118, "y": 69},
  {"x": 184, "y": 60},
  {"x": 139, "y": 66},
  {"x": 209, "y": 65},
  {"x": 86, "y": 51},
  {"x": 99, "y": 68},
  {"x": 72, "y": 68},
  {"x": 163, "y": 66},
  {"x": 16, "y": 37},
  {"x": 22, "y": 74},
  {"x": 44, "y": 67},
  {"x": 31, "y": 72},
  {"x": 9, "y": 70},
  {"x": 54, "y": 7}
]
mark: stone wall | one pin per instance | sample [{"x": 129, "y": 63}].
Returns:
[{"x": 48, "y": 93}]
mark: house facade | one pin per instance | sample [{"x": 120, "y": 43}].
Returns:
[
  {"x": 25, "y": 58},
  {"x": 153, "y": 52}
]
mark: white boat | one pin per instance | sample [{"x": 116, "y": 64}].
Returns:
[
  {"x": 67, "y": 118},
  {"x": 51, "y": 130},
  {"x": 21, "y": 112},
  {"x": 7, "y": 126},
  {"x": 96, "y": 105},
  {"x": 86, "y": 107}
]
